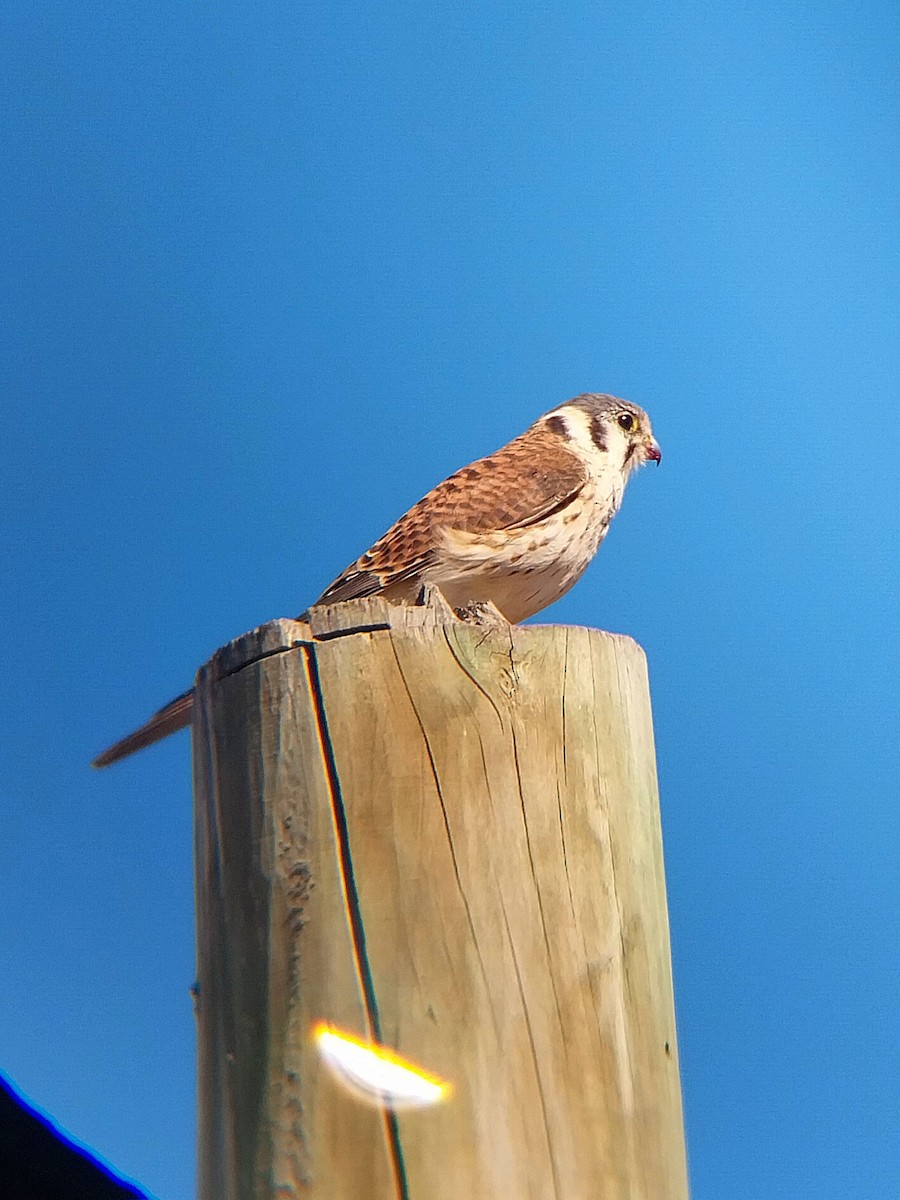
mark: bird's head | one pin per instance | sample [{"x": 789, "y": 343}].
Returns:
[{"x": 615, "y": 428}]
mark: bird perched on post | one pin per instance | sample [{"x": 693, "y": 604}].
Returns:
[{"x": 515, "y": 529}]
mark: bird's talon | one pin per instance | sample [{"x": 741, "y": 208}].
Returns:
[
  {"x": 431, "y": 596},
  {"x": 484, "y": 613}
]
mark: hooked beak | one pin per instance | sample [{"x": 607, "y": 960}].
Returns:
[{"x": 652, "y": 450}]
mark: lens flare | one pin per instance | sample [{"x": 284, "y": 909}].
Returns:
[{"x": 376, "y": 1074}]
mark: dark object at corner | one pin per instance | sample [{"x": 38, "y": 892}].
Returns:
[{"x": 38, "y": 1162}]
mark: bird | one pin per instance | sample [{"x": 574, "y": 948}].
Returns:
[{"x": 514, "y": 530}]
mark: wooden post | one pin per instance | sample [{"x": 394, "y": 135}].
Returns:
[{"x": 445, "y": 838}]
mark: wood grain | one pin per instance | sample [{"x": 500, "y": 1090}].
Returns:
[{"x": 446, "y": 838}]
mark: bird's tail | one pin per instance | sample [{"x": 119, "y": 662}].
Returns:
[{"x": 174, "y": 716}]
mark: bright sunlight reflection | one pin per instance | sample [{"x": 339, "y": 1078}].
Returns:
[{"x": 376, "y": 1074}]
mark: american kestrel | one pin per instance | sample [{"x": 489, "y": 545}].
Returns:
[{"x": 516, "y": 529}]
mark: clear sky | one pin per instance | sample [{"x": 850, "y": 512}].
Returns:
[{"x": 269, "y": 272}]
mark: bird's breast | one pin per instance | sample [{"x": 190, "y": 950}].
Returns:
[{"x": 524, "y": 569}]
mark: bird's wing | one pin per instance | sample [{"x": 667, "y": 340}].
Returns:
[{"x": 521, "y": 484}]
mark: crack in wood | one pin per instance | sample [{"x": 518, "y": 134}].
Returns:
[
  {"x": 354, "y": 911},
  {"x": 534, "y": 1054},
  {"x": 449, "y": 833}
]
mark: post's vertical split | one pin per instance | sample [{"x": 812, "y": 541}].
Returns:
[{"x": 444, "y": 838}]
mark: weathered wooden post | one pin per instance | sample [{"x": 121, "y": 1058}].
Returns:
[{"x": 446, "y": 838}]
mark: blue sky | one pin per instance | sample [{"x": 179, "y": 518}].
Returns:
[{"x": 268, "y": 274}]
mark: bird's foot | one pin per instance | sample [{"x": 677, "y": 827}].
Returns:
[
  {"x": 484, "y": 613},
  {"x": 480, "y": 612},
  {"x": 432, "y": 597}
]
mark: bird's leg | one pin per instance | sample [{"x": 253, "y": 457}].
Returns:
[
  {"x": 479, "y": 612},
  {"x": 482, "y": 612},
  {"x": 432, "y": 597}
]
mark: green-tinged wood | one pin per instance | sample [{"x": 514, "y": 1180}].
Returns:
[{"x": 487, "y": 799}]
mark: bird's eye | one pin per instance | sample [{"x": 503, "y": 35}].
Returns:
[{"x": 626, "y": 420}]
